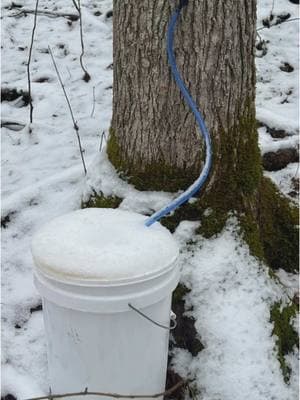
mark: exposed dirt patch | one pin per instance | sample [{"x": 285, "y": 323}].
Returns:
[
  {"x": 274, "y": 161},
  {"x": 42, "y": 79},
  {"x": 185, "y": 334},
  {"x": 295, "y": 188},
  {"x": 172, "y": 380},
  {"x": 36, "y": 308},
  {"x": 9, "y": 397},
  {"x": 286, "y": 67},
  {"x": 6, "y": 219},
  {"x": 11, "y": 94},
  {"x": 275, "y": 19}
]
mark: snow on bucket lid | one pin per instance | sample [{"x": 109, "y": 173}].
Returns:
[{"x": 104, "y": 246}]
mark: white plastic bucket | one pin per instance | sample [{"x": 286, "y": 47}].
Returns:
[{"x": 95, "y": 340}]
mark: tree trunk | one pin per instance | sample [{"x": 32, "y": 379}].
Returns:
[
  {"x": 159, "y": 144},
  {"x": 154, "y": 140}
]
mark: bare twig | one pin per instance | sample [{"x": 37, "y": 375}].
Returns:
[
  {"x": 113, "y": 395},
  {"x": 86, "y": 76},
  {"x": 77, "y": 5},
  {"x": 94, "y": 97},
  {"x": 50, "y": 14},
  {"x": 272, "y": 26},
  {"x": 257, "y": 34},
  {"x": 94, "y": 102},
  {"x": 101, "y": 141},
  {"x": 29, "y": 60},
  {"x": 69, "y": 72},
  {"x": 76, "y": 128},
  {"x": 271, "y": 13}
]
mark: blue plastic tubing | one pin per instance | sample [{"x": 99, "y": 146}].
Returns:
[{"x": 197, "y": 185}]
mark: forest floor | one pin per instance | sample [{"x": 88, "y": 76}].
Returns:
[{"x": 231, "y": 293}]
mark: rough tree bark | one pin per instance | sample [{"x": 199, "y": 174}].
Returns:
[
  {"x": 154, "y": 141},
  {"x": 153, "y": 127}
]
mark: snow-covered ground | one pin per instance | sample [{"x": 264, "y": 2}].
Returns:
[{"x": 42, "y": 177}]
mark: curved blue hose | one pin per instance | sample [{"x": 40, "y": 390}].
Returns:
[{"x": 196, "y": 186}]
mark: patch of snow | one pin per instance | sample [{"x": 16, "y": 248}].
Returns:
[
  {"x": 231, "y": 297},
  {"x": 277, "y": 91},
  {"x": 277, "y": 99},
  {"x": 290, "y": 282},
  {"x": 268, "y": 144}
]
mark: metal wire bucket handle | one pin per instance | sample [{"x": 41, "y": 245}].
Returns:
[{"x": 172, "y": 319}]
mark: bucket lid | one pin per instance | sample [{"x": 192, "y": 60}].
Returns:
[{"x": 103, "y": 246}]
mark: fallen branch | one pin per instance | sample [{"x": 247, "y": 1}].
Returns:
[
  {"x": 29, "y": 60},
  {"x": 50, "y": 14},
  {"x": 113, "y": 395},
  {"x": 76, "y": 128}
]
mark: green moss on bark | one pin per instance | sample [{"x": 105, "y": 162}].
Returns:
[
  {"x": 114, "y": 152},
  {"x": 238, "y": 168},
  {"x": 286, "y": 336},
  {"x": 98, "y": 200},
  {"x": 154, "y": 176},
  {"x": 213, "y": 222},
  {"x": 278, "y": 223},
  {"x": 250, "y": 232},
  {"x": 271, "y": 231},
  {"x": 238, "y": 172}
]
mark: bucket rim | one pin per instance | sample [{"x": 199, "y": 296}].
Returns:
[{"x": 71, "y": 280}]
